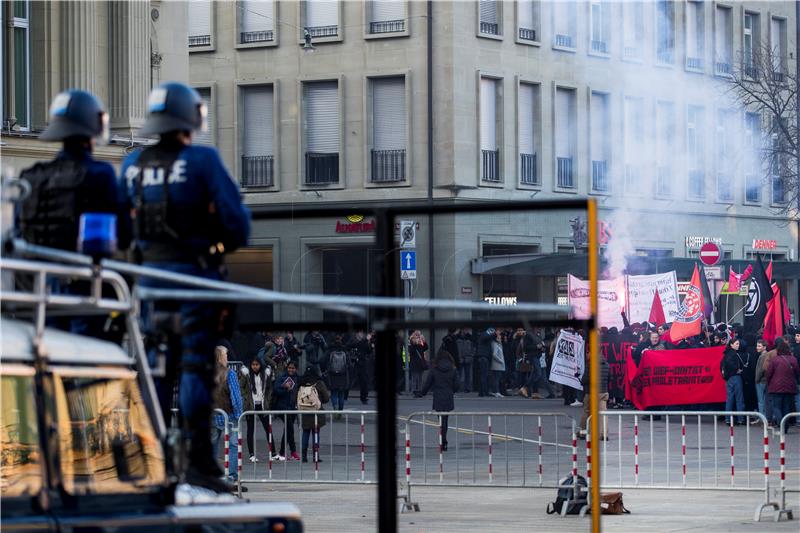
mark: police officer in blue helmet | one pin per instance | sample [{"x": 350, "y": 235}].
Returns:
[
  {"x": 187, "y": 213},
  {"x": 74, "y": 182}
]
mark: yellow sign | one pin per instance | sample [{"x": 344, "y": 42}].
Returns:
[{"x": 355, "y": 219}]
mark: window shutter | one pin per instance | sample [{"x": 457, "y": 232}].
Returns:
[
  {"x": 691, "y": 30},
  {"x": 599, "y": 127},
  {"x": 321, "y": 105},
  {"x": 199, "y": 17},
  {"x": 322, "y": 13},
  {"x": 256, "y": 15},
  {"x": 561, "y": 16},
  {"x": 389, "y": 114},
  {"x": 776, "y": 43},
  {"x": 525, "y": 14},
  {"x": 527, "y": 96},
  {"x": 488, "y": 114},
  {"x": 385, "y": 10},
  {"x": 563, "y": 123},
  {"x": 257, "y": 118},
  {"x": 722, "y": 40},
  {"x": 206, "y": 137},
  {"x": 488, "y": 11}
]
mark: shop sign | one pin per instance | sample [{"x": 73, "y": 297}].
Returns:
[
  {"x": 696, "y": 241},
  {"x": 500, "y": 300},
  {"x": 355, "y": 224},
  {"x": 765, "y": 244}
]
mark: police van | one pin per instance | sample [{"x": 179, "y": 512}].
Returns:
[{"x": 82, "y": 439}]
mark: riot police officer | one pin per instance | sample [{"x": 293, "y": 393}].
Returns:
[
  {"x": 187, "y": 213},
  {"x": 74, "y": 182}
]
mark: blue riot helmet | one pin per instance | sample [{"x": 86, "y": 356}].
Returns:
[
  {"x": 174, "y": 106},
  {"x": 76, "y": 113}
]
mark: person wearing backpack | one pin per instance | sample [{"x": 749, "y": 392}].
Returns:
[
  {"x": 312, "y": 394},
  {"x": 285, "y": 394},
  {"x": 338, "y": 372}
]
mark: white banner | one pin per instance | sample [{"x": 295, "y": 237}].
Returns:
[
  {"x": 641, "y": 290},
  {"x": 610, "y": 298},
  {"x": 568, "y": 360}
]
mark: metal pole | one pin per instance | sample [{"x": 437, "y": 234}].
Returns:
[{"x": 594, "y": 363}]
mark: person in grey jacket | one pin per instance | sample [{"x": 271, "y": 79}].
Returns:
[
  {"x": 764, "y": 356},
  {"x": 498, "y": 365},
  {"x": 443, "y": 381}
]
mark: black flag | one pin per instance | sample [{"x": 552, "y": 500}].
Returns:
[
  {"x": 758, "y": 294},
  {"x": 708, "y": 300}
]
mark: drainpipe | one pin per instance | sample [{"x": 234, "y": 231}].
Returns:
[
  {"x": 431, "y": 247},
  {"x": 797, "y": 149}
]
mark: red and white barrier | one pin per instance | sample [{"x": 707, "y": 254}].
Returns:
[
  {"x": 491, "y": 472},
  {"x": 362, "y": 448},
  {"x": 683, "y": 448},
  {"x": 636, "y": 449},
  {"x": 540, "y": 449},
  {"x": 227, "y": 446}
]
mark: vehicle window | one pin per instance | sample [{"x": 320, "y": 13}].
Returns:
[
  {"x": 107, "y": 442},
  {"x": 21, "y": 473}
]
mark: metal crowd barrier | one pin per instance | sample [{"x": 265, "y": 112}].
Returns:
[
  {"x": 528, "y": 452},
  {"x": 344, "y": 435},
  {"x": 783, "y": 488},
  {"x": 690, "y": 470}
]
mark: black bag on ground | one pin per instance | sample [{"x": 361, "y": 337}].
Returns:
[{"x": 573, "y": 495}]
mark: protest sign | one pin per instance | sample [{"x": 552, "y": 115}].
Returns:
[
  {"x": 640, "y": 290},
  {"x": 610, "y": 297},
  {"x": 568, "y": 360}
]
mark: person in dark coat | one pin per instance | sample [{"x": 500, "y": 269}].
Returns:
[
  {"x": 256, "y": 385},
  {"x": 362, "y": 349},
  {"x": 443, "y": 381},
  {"x": 312, "y": 423},
  {"x": 418, "y": 361},
  {"x": 285, "y": 393},
  {"x": 450, "y": 345},
  {"x": 732, "y": 367},
  {"x": 338, "y": 378},
  {"x": 483, "y": 353}
]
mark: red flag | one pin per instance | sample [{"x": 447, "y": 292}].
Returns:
[
  {"x": 768, "y": 271},
  {"x": 773, "y": 323},
  {"x": 657, "y": 316},
  {"x": 734, "y": 281},
  {"x": 690, "y": 314},
  {"x": 747, "y": 273}
]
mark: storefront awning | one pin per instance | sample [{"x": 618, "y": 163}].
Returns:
[{"x": 577, "y": 265}]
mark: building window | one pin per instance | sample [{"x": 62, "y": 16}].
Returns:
[
  {"x": 321, "y": 128},
  {"x": 322, "y": 18},
  {"x": 489, "y": 17},
  {"x": 528, "y": 13},
  {"x": 490, "y": 151},
  {"x": 200, "y": 23},
  {"x": 752, "y": 142},
  {"x": 564, "y": 24},
  {"x": 665, "y": 147},
  {"x": 723, "y": 41},
  {"x": 388, "y": 157},
  {"x": 256, "y": 22},
  {"x": 750, "y": 44},
  {"x": 599, "y": 26},
  {"x": 632, "y": 30},
  {"x": 528, "y": 133},
  {"x": 19, "y": 105},
  {"x": 600, "y": 142},
  {"x": 634, "y": 145},
  {"x": 695, "y": 36},
  {"x": 777, "y": 163},
  {"x": 206, "y": 137},
  {"x": 386, "y": 16},
  {"x": 695, "y": 151},
  {"x": 258, "y": 155},
  {"x": 777, "y": 36},
  {"x": 665, "y": 32},
  {"x": 566, "y": 119},
  {"x": 725, "y": 154}
]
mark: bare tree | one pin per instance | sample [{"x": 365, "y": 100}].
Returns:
[{"x": 763, "y": 83}]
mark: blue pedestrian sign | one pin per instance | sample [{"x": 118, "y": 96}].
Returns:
[{"x": 408, "y": 265}]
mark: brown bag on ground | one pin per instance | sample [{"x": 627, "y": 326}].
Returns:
[{"x": 611, "y": 503}]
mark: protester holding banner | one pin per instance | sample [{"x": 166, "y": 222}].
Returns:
[
  {"x": 568, "y": 365},
  {"x": 732, "y": 367}
]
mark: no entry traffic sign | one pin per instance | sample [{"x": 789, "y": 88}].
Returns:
[{"x": 710, "y": 254}]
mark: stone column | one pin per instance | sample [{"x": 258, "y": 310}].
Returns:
[
  {"x": 78, "y": 44},
  {"x": 129, "y": 63}
]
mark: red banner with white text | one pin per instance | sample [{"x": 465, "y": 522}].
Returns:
[{"x": 678, "y": 377}]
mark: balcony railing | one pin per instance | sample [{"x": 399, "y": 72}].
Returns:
[
  {"x": 751, "y": 72},
  {"x": 722, "y": 67},
  {"x": 527, "y": 34},
  {"x": 565, "y": 40},
  {"x": 323, "y": 31},
  {"x": 599, "y": 46},
  {"x": 322, "y": 168},
  {"x": 665, "y": 56},
  {"x": 724, "y": 188},
  {"x": 697, "y": 184},
  {"x": 199, "y": 40},
  {"x": 600, "y": 176},
  {"x": 491, "y": 28},
  {"x": 694, "y": 62},
  {"x": 630, "y": 52},
  {"x": 387, "y": 26},
  {"x": 527, "y": 169},
  {"x": 256, "y": 36},
  {"x": 752, "y": 189},
  {"x": 778, "y": 77},
  {"x": 388, "y": 165},
  {"x": 564, "y": 174},
  {"x": 490, "y": 165},
  {"x": 258, "y": 171},
  {"x": 664, "y": 181}
]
